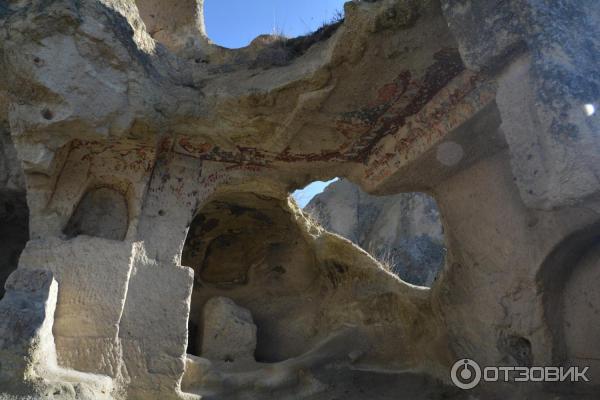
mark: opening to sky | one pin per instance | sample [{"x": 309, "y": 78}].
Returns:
[
  {"x": 303, "y": 196},
  {"x": 235, "y": 23}
]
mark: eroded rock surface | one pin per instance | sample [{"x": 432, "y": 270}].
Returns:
[
  {"x": 157, "y": 168},
  {"x": 229, "y": 333}
]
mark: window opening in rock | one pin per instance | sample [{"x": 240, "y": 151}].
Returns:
[
  {"x": 402, "y": 231},
  {"x": 305, "y": 195}
]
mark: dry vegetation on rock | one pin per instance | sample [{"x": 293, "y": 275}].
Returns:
[{"x": 157, "y": 168}]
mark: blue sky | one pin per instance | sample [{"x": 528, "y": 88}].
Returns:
[
  {"x": 234, "y": 23},
  {"x": 303, "y": 196}
]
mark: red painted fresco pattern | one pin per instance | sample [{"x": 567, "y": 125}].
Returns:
[
  {"x": 121, "y": 155},
  {"x": 404, "y": 102},
  {"x": 450, "y": 108},
  {"x": 405, "y": 118}
]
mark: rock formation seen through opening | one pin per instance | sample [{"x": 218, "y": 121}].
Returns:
[{"x": 404, "y": 231}]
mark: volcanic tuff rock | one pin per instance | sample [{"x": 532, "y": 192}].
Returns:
[
  {"x": 153, "y": 169},
  {"x": 404, "y": 231},
  {"x": 229, "y": 331}
]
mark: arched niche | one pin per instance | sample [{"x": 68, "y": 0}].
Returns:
[
  {"x": 102, "y": 212},
  {"x": 569, "y": 280},
  {"x": 249, "y": 248}
]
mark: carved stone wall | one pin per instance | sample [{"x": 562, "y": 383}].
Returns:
[{"x": 157, "y": 169}]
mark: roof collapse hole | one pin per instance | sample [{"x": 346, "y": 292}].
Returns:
[
  {"x": 402, "y": 231},
  {"x": 102, "y": 212},
  {"x": 252, "y": 268},
  {"x": 14, "y": 231},
  {"x": 235, "y": 23}
]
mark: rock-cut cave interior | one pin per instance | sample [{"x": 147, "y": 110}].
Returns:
[{"x": 161, "y": 236}]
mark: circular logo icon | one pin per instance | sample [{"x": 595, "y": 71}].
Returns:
[{"x": 465, "y": 374}]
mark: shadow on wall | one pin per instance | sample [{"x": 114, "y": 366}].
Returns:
[
  {"x": 569, "y": 279},
  {"x": 402, "y": 231},
  {"x": 249, "y": 248},
  {"x": 102, "y": 212},
  {"x": 14, "y": 231}
]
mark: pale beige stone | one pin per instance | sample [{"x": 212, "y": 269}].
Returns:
[
  {"x": 157, "y": 168},
  {"x": 229, "y": 333}
]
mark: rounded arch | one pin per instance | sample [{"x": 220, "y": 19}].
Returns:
[
  {"x": 565, "y": 275},
  {"x": 102, "y": 212},
  {"x": 249, "y": 248}
]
